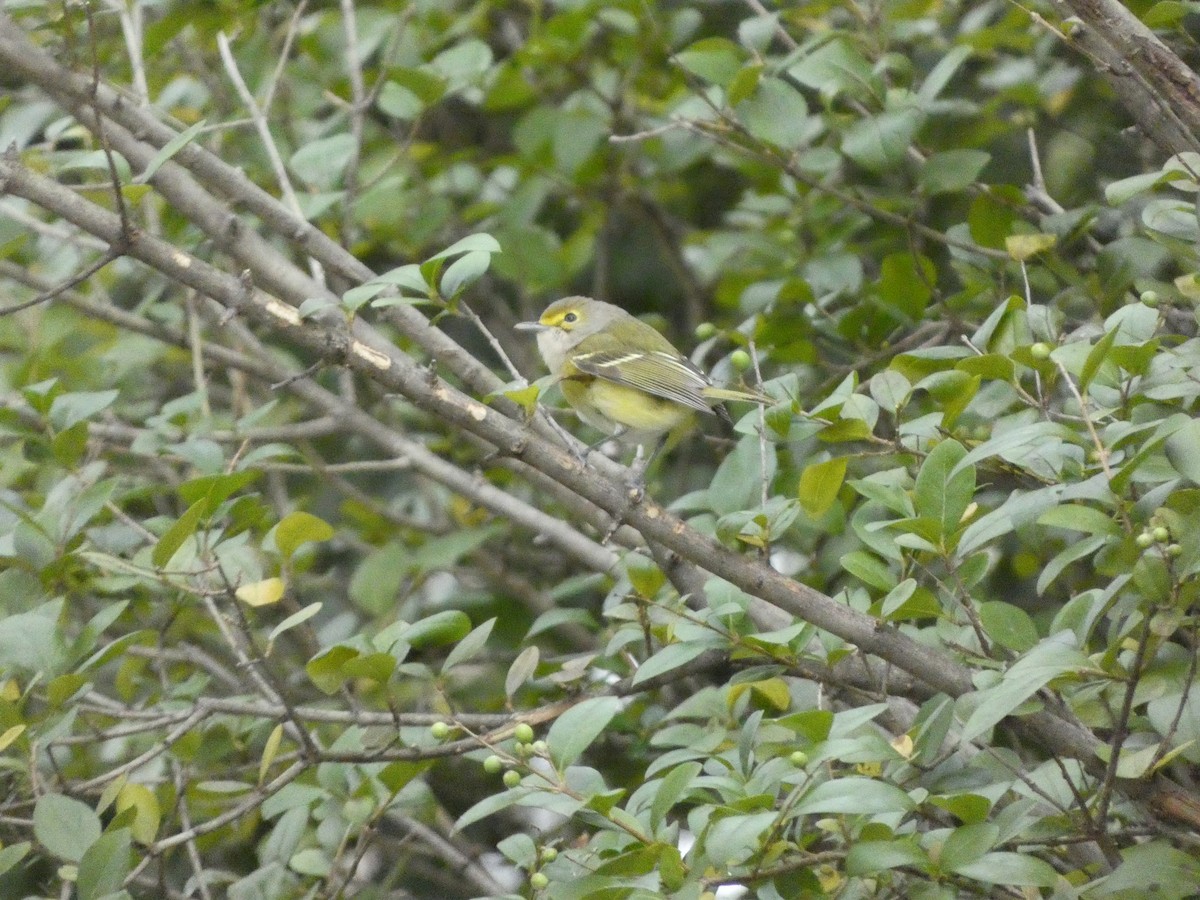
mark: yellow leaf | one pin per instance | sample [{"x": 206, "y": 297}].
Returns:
[
  {"x": 269, "y": 752},
  {"x": 146, "y": 815},
  {"x": 904, "y": 746},
  {"x": 10, "y": 690},
  {"x": 261, "y": 593},
  {"x": 1023, "y": 246},
  {"x": 1189, "y": 286},
  {"x": 10, "y": 735}
]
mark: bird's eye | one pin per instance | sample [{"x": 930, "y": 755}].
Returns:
[{"x": 571, "y": 317}]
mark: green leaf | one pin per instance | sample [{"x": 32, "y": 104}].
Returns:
[
  {"x": 1017, "y": 869},
  {"x": 991, "y": 217},
  {"x": 671, "y": 657},
  {"x": 943, "y": 72},
  {"x": 462, "y": 65},
  {"x": 325, "y": 669},
  {"x": 469, "y": 646},
  {"x": 890, "y": 390},
  {"x": 464, "y": 272},
  {"x": 293, "y": 620},
  {"x": 737, "y": 484},
  {"x": 1054, "y": 567},
  {"x": 714, "y": 59},
  {"x": 1079, "y": 518},
  {"x": 1183, "y": 450},
  {"x": 944, "y": 488},
  {"x": 376, "y": 582},
  {"x": 734, "y": 839},
  {"x": 1125, "y": 189},
  {"x": 968, "y": 808},
  {"x": 967, "y": 844},
  {"x": 105, "y": 865},
  {"x": 32, "y": 641},
  {"x": 407, "y": 276},
  {"x": 819, "y": 485},
  {"x": 853, "y": 796},
  {"x": 1095, "y": 359},
  {"x": 952, "y": 171},
  {"x": 447, "y": 627},
  {"x": 519, "y": 849},
  {"x": 576, "y": 729},
  {"x": 13, "y": 854},
  {"x": 64, "y": 826},
  {"x": 216, "y": 489},
  {"x": 376, "y": 666},
  {"x": 174, "y": 537},
  {"x": 169, "y": 149},
  {"x": 423, "y": 82},
  {"x": 490, "y": 805},
  {"x": 670, "y": 789},
  {"x": 395, "y": 775},
  {"x": 869, "y": 569},
  {"x": 836, "y": 67},
  {"x": 578, "y": 134},
  {"x": 521, "y": 670},
  {"x": 880, "y": 142},
  {"x": 776, "y": 113},
  {"x": 69, "y": 409},
  {"x": 321, "y": 162},
  {"x": 299, "y": 528},
  {"x": 399, "y": 102},
  {"x": 868, "y": 857},
  {"x": 480, "y": 242},
  {"x": 311, "y": 861},
  {"x": 906, "y": 284},
  {"x": 745, "y": 84},
  {"x": 1008, "y": 625},
  {"x": 1173, "y": 873},
  {"x": 1054, "y": 656}
]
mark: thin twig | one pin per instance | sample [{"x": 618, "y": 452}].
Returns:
[{"x": 268, "y": 141}]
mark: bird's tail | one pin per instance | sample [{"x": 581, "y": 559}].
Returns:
[{"x": 725, "y": 395}]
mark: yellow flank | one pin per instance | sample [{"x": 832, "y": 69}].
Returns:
[{"x": 611, "y": 407}]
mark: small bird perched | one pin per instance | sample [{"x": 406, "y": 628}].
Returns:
[{"x": 622, "y": 376}]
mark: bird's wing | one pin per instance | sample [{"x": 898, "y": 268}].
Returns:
[{"x": 661, "y": 374}]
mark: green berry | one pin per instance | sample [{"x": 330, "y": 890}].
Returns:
[
  {"x": 1150, "y": 298},
  {"x": 548, "y": 854},
  {"x": 1174, "y": 549},
  {"x": 493, "y": 764},
  {"x": 705, "y": 330},
  {"x": 1161, "y": 534},
  {"x": 740, "y": 360},
  {"x": 1144, "y": 540},
  {"x": 1041, "y": 350},
  {"x": 440, "y": 730},
  {"x": 539, "y": 748},
  {"x": 798, "y": 758},
  {"x": 538, "y": 881},
  {"x": 512, "y": 778},
  {"x": 523, "y": 750},
  {"x": 523, "y": 733}
]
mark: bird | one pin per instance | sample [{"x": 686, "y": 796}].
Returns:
[{"x": 623, "y": 377}]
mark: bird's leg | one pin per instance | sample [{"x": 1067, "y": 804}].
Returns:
[
  {"x": 641, "y": 470},
  {"x": 636, "y": 488}
]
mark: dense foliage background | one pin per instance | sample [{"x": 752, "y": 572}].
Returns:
[{"x": 304, "y": 597}]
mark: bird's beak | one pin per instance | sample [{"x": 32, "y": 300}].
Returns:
[{"x": 530, "y": 326}]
